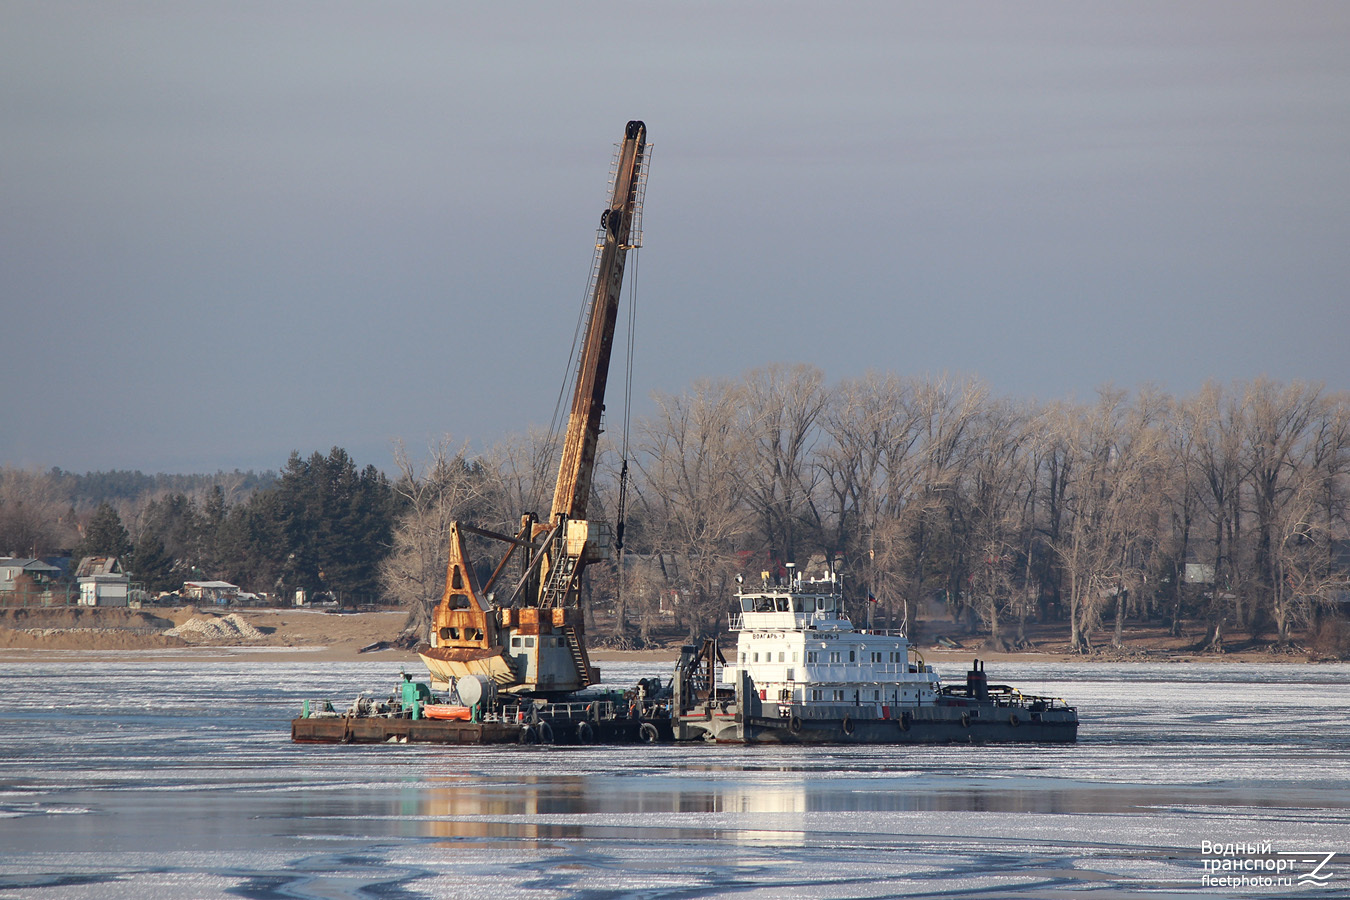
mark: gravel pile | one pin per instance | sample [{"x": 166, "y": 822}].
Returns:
[{"x": 210, "y": 628}]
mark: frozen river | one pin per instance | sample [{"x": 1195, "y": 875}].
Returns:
[{"x": 178, "y": 780}]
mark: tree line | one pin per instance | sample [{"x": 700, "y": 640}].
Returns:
[
  {"x": 321, "y": 525},
  {"x": 1224, "y": 510}
]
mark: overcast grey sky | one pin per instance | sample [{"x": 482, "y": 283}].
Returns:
[{"x": 231, "y": 230}]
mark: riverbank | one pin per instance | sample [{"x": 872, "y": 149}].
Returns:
[{"x": 297, "y": 635}]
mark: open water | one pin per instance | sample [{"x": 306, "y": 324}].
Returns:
[{"x": 178, "y": 780}]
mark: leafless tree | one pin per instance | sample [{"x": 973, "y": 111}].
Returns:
[
  {"x": 1302, "y": 556},
  {"x": 445, "y": 487},
  {"x": 1182, "y": 490},
  {"x": 1275, "y": 444},
  {"x": 522, "y": 470},
  {"x": 33, "y": 521},
  {"x": 783, "y": 405},
  {"x": 946, "y": 412},
  {"x": 1104, "y": 551},
  {"x": 1214, "y": 422},
  {"x": 869, "y": 472},
  {"x": 692, "y": 456},
  {"x": 991, "y": 530}
]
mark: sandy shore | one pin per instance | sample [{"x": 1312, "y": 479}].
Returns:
[
  {"x": 299, "y": 635},
  {"x": 286, "y": 635}
]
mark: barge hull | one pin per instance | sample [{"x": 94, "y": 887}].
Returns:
[
  {"x": 386, "y": 730},
  {"x": 918, "y": 730},
  {"x": 374, "y": 730},
  {"x": 956, "y": 724}
]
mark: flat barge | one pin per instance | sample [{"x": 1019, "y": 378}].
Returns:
[
  {"x": 605, "y": 718},
  {"x": 802, "y": 674}
]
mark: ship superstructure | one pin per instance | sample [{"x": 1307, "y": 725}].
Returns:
[{"x": 798, "y": 645}]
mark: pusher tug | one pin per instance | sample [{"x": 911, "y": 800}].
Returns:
[{"x": 803, "y": 674}]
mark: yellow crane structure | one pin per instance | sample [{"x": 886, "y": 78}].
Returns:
[{"x": 532, "y": 641}]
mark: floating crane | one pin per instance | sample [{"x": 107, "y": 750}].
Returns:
[
  {"x": 532, "y": 640},
  {"x": 503, "y": 661}
]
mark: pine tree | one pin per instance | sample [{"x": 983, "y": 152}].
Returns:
[
  {"x": 332, "y": 524},
  {"x": 104, "y": 535},
  {"x": 151, "y": 564}
]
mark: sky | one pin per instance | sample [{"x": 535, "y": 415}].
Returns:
[{"x": 230, "y": 231}]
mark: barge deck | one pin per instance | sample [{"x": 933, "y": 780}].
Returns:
[{"x": 401, "y": 720}]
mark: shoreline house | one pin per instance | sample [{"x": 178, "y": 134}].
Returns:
[
  {"x": 102, "y": 582},
  {"x": 28, "y": 582}
]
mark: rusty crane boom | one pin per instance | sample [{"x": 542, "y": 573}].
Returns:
[{"x": 532, "y": 640}]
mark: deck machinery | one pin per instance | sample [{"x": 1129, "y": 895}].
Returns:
[{"x": 529, "y": 639}]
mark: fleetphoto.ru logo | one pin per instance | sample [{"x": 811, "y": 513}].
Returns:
[{"x": 1257, "y": 865}]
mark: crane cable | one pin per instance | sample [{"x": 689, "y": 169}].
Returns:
[
  {"x": 557, "y": 424},
  {"x": 627, "y": 402}
]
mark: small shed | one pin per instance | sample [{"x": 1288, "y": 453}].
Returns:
[{"x": 102, "y": 581}]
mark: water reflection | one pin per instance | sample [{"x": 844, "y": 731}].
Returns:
[{"x": 544, "y": 806}]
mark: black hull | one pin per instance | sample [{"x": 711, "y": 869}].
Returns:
[
  {"x": 388, "y": 730},
  {"x": 927, "y": 725}
]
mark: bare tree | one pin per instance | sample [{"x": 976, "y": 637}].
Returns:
[
  {"x": 945, "y": 412},
  {"x": 783, "y": 405},
  {"x": 691, "y": 458},
  {"x": 991, "y": 528},
  {"x": 1275, "y": 440},
  {"x": 1215, "y": 422},
  {"x": 33, "y": 520},
  {"x": 434, "y": 493},
  {"x": 522, "y": 470},
  {"x": 1309, "y": 576},
  {"x": 1104, "y": 551},
  {"x": 869, "y": 472},
  {"x": 1182, "y": 490}
]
